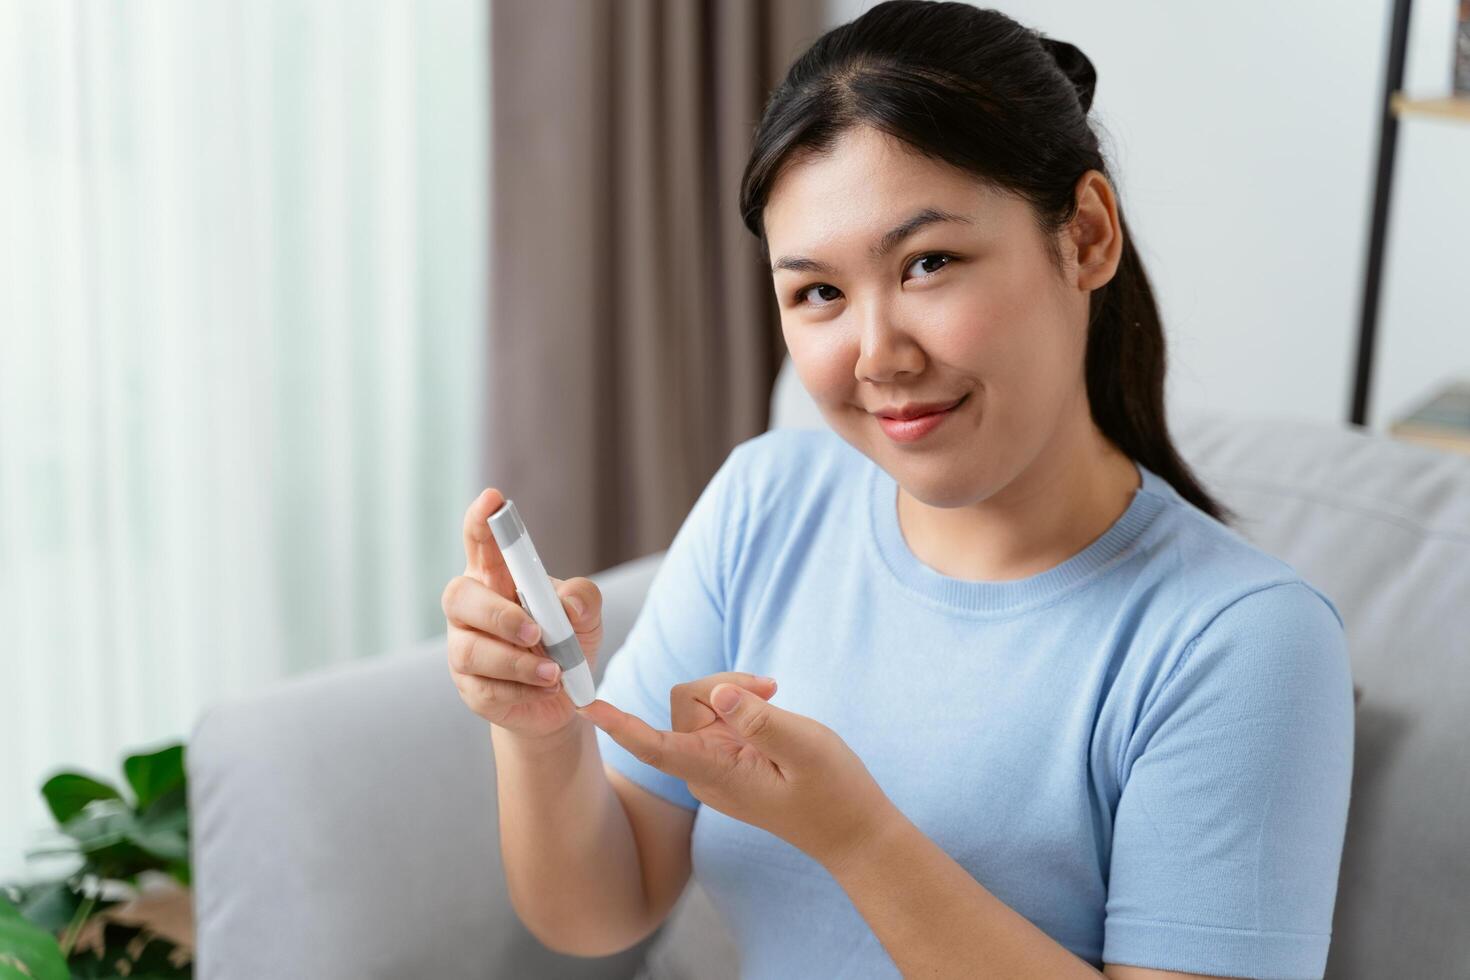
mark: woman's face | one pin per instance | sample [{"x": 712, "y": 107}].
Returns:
[{"x": 968, "y": 307}]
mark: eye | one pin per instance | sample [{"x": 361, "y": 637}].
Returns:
[
  {"x": 930, "y": 257},
  {"x": 821, "y": 285}
]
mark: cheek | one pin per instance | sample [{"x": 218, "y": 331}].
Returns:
[
  {"x": 1004, "y": 330},
  {"x": 973, "y": 332},
  {"x": 822, "y": 364}
]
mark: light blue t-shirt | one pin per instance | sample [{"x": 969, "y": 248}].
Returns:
[{"x": 1145, "y": 750}]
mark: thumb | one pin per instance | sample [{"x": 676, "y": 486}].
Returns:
[{"x": 778, "y": 733}]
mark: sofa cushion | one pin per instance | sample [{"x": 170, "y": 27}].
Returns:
[
  {"x": 1383, "y": 528},
  {"x": 344, "y": 824}
]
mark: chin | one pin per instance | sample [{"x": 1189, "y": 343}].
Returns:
[
  {"x": 949, "y": 481},
  {"x": 942, "y": 497}
]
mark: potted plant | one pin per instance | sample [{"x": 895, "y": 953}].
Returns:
[{"x": 124, "y": 908}]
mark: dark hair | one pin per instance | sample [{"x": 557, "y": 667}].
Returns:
[{"x": 975, "y": 89}]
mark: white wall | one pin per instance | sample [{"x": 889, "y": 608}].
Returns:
[{"x": 1243, "y": 138}]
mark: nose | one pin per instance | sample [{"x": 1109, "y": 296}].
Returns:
[{"x": 886, "y": 351}]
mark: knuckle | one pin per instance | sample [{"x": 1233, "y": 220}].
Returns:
[
  {"x": 459, "y": 656},
  {"x": 590, "y": 594},
  {"x": 450, "y": 594},
  {"x": 582, "y": 591},
  {"x": 507, "y": 619},
  {"x": 651, "y": 755},
  {"x": 756, "y": 725},
  {"x": 526, "y": 668},
  {"x": 469, "y": 693}
]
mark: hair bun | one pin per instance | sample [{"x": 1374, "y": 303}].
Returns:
[{"x": 1076, "y": 66}]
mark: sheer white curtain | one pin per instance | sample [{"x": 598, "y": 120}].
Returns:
[{"x": 241, "y": 255}]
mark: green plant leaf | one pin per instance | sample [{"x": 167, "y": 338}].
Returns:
[
  {"x": 50, "y": 905},
  {"x": 102, "y": 822},
  {"x": 27, "y": 952},
  {"x": 183, "y": 873},
  {"x": 67, "y": 793},
  {"x": 119, "y": 843},
  {"x": 169, "y": 812},
  {"x": 163, "y": 828},
  {"x": 166, "y": 845},
  {"x": 36, "y": 852},
  {"x": 105, "y": 832},
  {"x": 155, "y": 773}
]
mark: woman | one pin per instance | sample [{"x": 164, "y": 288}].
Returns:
[{"x": 1040, "y": 712}]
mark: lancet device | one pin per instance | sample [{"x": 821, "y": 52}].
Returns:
[{"x": 538, "y": 597}]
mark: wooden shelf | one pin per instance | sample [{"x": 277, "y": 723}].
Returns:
[{"x": 1451, "y": 107}]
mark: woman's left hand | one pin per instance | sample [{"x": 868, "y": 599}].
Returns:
[{"x": 771, "y": 768}]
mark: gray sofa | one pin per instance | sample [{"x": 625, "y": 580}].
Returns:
[{"x": 344, "y": 823}]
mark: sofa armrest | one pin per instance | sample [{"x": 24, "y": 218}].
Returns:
[{"x": 344, "y": 824}]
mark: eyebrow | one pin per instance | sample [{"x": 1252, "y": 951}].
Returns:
[{"x": 884, "y": 245}]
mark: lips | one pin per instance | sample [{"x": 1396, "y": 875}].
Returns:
[
  {"x": 916, "y": 428},
  {"x": 919, "y": 409}
]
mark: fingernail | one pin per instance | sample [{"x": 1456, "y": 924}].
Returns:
[
  {"x": 546, "y": 671},
  {"x": 726, "y": 698},
  {"x": 577, "y": 608},
  {"x": 527, "y": 632}
]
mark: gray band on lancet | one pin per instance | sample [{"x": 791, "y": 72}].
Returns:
[
  {"x": 567, "y": 653},
  {"x": 506, "y": 525}
]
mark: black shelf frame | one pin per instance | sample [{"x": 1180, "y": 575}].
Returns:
[{"x": 1388, "y": 132}]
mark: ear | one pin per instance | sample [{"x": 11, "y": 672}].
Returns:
[{"x": 1095, "y": 235}]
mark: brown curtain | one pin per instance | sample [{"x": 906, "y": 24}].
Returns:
[{"x": 634, "y": 337}]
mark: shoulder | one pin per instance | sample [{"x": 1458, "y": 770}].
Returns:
[
  {"x": 786, "y": 487},
  {"x": 775, "y": 449},
  {"x": 1228, "y": 617},
  {"x": 791, "y": 465},
  {"x": 1192, "y": 554}
]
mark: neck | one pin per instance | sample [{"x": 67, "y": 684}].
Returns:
[{"x": 1066, "y": 498}]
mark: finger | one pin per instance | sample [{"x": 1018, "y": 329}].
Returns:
[
  {"x": 472, "y": 652},
  {"x": 483, "y": 559},
  {"x": 468, "y": 603},
  {"x": 678, "y": 754},
  {"x": 476, "y": 531},
  {"x": 689, "y": 703},
  {"x": 583, "y": 600},
  {"x": 781, "y": 735},
  {"x": 484, "y": 694}
]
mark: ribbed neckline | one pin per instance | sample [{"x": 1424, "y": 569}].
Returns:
[{"x": 1003, "y": 598}]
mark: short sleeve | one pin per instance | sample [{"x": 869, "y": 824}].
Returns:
[
  {"x": 1233, "y": 805},
  {"x": 679, "y": 633}
]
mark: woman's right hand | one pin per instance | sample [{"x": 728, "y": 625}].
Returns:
[
  {"x": 493, "y": 666},
  {"x": 495, "y": 669}
]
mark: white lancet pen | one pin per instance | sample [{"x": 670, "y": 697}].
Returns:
[{"x": 538, "y": 597}]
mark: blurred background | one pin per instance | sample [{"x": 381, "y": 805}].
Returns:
[{"x": 283, "y": 285}]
